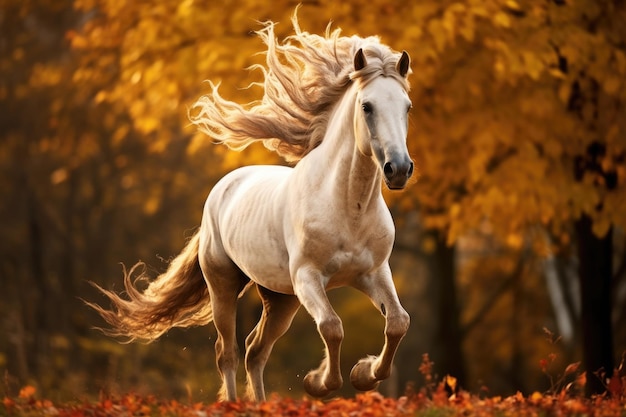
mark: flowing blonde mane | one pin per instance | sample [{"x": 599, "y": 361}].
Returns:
[{"x": 304, "y": 76}]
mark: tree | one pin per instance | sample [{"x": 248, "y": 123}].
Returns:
[
  {"x": 85, "y": 185},
  {"x": 521, "y": 93}
]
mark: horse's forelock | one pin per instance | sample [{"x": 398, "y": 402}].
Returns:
[{"x": 381, "y": 61}]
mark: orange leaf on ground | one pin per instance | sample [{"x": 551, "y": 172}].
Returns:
[
  {"x": 615, "y": 385},
  {"x": 571, "y": 368},
  {"x": 27, "y": 392}
]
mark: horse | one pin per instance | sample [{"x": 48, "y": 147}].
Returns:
[{"x": 337, "y": 108}]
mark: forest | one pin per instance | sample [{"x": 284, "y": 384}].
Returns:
[{"x": 510, "y": 251}]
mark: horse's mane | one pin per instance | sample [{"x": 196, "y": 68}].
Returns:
[{"x": 304, "y": 77}]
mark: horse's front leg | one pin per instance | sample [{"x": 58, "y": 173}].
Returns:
[
  {"x": 309, "y": 286},
  {"x": 379, "y": 287}
]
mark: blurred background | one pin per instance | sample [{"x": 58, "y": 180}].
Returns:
[{"x": 510, "y": 252}]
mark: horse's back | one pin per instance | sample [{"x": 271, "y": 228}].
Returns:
[
  {"x": 238, "y": 185},
  {"x": 244, "y": 219}
]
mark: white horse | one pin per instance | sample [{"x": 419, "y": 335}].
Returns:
[{"x": 337, "y": 105}]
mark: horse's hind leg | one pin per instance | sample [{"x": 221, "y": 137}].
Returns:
[
  {"x": 278, "y": 313},
  {"x": 225, "y": 284}
]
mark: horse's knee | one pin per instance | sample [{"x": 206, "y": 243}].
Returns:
[
  {"x": 227, "y": 361},
  {"x": 398, "y": 325},
  {"x": 331, "y": 329}
]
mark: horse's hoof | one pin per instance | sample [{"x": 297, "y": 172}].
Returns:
[
  {"x": 362, "y": 377},
  {"x": 313, "y": 385}
]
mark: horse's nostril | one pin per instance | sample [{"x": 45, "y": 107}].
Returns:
[
  {"x": 410, "y": 171},
  {"x": 388, "y": 169}
]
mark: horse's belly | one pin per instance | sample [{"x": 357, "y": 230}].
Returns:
[
  {"x": 268, "y": 268},
  {"x": 251, "y": 212}
]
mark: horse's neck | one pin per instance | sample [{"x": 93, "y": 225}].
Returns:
[{"x": 350, "y": 177}]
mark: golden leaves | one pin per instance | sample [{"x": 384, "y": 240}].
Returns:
[
  {"x": 458, "y": 20},
  {"x": 502, "y": 147},
  {"x": 436, "y": 30},
  {"x": 492, "y": 84},
  {"x": 613, "y": 84},
  {"x": 502, "y": 19},
  {"x": 59, "y": 176},
  {"x": 45, "y": 75}
]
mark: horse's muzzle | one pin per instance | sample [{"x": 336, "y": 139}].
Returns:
[{"x": 397, "y": 173}]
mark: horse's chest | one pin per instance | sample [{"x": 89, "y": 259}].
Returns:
[
  {"x": 342, "y": 257},
  {"x": 344, "y": 264}
]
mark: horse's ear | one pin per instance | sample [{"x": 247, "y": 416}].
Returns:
[
  {"x": 403, "y": 64},
  {"x": 359, "y": 60}
]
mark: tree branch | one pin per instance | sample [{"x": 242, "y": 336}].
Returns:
[{"x": 497, "y": 293}]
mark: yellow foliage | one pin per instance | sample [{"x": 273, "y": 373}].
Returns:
[
  {"x": 490, "y": 130},
  {"x": 502, "y": 19},
  {"x": 151, "y": 205},
  {"x": 613, "y": 84},
  {"x": 45, "y": 75},
  {"x": 58, "y": 176}
]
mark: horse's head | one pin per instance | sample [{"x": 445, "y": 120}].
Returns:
[{"x": 381, "y": 118}]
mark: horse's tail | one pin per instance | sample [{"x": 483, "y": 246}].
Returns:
[{"x": 179, "y": 297}]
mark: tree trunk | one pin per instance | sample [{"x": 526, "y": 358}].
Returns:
[
  {"x": 595, "y": 257},
  {"x": 448, "y": 338}
]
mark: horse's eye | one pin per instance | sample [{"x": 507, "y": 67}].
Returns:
[
  {"x": 367, "y": 108},
  {"x": 409, "y": 107}
]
